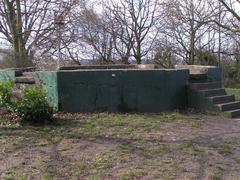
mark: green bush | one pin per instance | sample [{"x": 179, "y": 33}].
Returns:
[
  {"x": 5, "y": 90},
  {"x": 34, "y": 107}
]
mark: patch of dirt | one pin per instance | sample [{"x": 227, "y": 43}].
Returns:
[{"x": 176, "y": 150}]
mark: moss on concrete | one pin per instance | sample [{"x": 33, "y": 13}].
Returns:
[
  {"x": 50, "y": 83},
  {"x": 7, "y": 75}
]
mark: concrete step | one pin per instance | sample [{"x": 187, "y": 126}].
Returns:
[
  {"x": 25, "y": 80},
  {"x": 18, "y": 73},
  {"x": 16, "y": 95},
  {"x": 198, "y": 76},
  {"x": 222, "y": 99},
  {"x": 28, "y": 74},
  {"x": 22, "y": 86},
  {"x": 231, "y": 106},
  {"x": 214, "y": 92},
  {"x": 200, "y": 81},
  {"x": 234, "y": 113},
  {"x": 206, "y": 85}
]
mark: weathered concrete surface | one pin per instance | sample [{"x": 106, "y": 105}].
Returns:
[
  {"x": 50, "y": 83},
  {"x": 7, "y": 75},
  {"x": 196, "y": 98},
  {"x": 213, "y": 73},
  {"x": 122, "y": 90},
  {"x": 112, "y": 66}
]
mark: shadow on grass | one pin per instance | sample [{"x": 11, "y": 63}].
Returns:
[{"x": 97, "y": 127}]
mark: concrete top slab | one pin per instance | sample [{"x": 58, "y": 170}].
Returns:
[
  {"x": 196, "y": 69},
  {"x": 114, "y": 66},
  {"x": 123, "y": 70}
]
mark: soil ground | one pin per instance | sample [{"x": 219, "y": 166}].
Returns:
[{"x": 175, "y": 145}]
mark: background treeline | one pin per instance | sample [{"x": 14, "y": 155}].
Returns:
[{"x": 165, "y": 32}]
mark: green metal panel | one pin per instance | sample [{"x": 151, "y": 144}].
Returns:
[
  {"x": 215, "y": 74},
  {"x": 122, "y": 90},
  {"x": 197, "y": 100},
  {"x": 7, "y": 75},
  {"x": 49, "y": 82},
  {"x": 177, "y": 88}
]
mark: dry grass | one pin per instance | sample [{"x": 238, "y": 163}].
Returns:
[{"x": 122, "y": 146}]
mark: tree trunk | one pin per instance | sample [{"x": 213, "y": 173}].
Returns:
[
  {"x": 192, "y": 49},
  {"x": 138, "y": 53},
  {"x": 21, "y": 57},
  {"x": 14, "y": 19},
  {"x": 193, "y": 35},
  {"x": 23, "y": 60}
]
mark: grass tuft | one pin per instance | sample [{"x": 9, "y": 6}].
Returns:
[
  {"x": 225, "y": 149},
  {"x": 131, "y": 174}
]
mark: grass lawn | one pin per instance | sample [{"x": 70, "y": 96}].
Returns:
[
  {"x": 122, "y": 146},
  {"x": 234, "y": 91}
]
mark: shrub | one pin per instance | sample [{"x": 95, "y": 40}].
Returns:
[
  {"x": 5, "y": 90},
  {"x": 34, "y": 107}
]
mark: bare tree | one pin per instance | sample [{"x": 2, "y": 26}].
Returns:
[
  {"x": 26, "y": 24},
  {"x": 232, "y": 7},
  {"x": 93, "y": 33},
  {"x": 122, "y": 36},
  {"x": 135, "y": 21},
  {"x": 227, "y": 25},
  {"x": 189, "y": 24}
]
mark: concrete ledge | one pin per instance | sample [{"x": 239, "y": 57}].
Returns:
[
  {"x": 117, "y": 66},
  {"x": 213, "y": 73},
  {"x": 195, "y": 69},
  {"x": 7, "y": 75},
  {"x": 122, "y": 90},
  {"x": 26, "y": 69}
]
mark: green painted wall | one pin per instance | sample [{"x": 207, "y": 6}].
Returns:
[
  {"x": 215, "y": 74},
  {"x": 7, "y": 75},
  {"x": 197, "y": 99},
  {"x": 119, "y": 90},
  {"x": 49, "y": 82},
  {"x": 122, "y": 90}
]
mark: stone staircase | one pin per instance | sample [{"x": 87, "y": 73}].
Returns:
[
  {"x": 210, "y": 95},
  {"x": 22, "y": 80}
]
